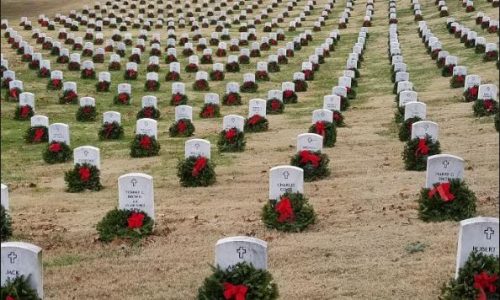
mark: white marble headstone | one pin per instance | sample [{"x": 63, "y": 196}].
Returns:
[
  {"x": 257, "y": 107},
  {"x": 283, "y": 179},
  {"x": 87, "y": 155},
  {"x": 197, "y": 147},
  {"x": 135, "y": 192},
  {"x": 309, "y": 141},
  {"x": 59, "y": 132},
  {"x": 112, "y": 116},
  {"x": 422, "y": 128},
  {"x": 233, "y": 121},
  {"x": 233, "y": 250},
  {"x": 442, "y": 167}
]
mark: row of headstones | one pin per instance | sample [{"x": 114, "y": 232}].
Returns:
[
  {"x": 487, "y": 22},
  {"x": 417, "y": 10},
  {"x": 478, "y": 42}
]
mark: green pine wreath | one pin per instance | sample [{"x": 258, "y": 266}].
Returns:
[
  {"x": 274, "y": 106},
  {"x": 150, "y": 112},
  {"x": 434, "y": 209},
  {"x": 457, "y": 81},
  {"x": 259, "y": 282},
  {"x": 256, "y": 123},
  {"x": 68, "y": 97},
  {"x": 338, "y": 119},
  {"x": 115, "y": 225},
  {"x": 303, "y": 214},
  {"x": 462, "y": 287},
  {"x": 329, "y": 134},
  {"x": 122, "y": 99},
  {"x": 181, "y": 128},
  {"x": 416, "y": 160},
  {"x": 54, "y": 85},
  {"x": 485, "y": 107},
  {"x": 57, "y": 152},
  {"x": 36, "y": 134},
  {"x": 345, "y": 103},
  {"x": 178, "y": 99},
  {"x": 102, "y": 86},
  {"x": 351, "y": 93},
  {"x": 144, "y": 145},
  {"x": 151, "y": 86},
  {"x": 249, "y": 87},
  {"x": 86, "y": 113},
  {"x": 190, "y": 178},
  {"x": 300, "y": 86},
  {"x": 231, "y": 99},
  {"x": 235, "y": 144},
  {"x": 18, "y": 289},
  {"x": 405, "y": 128},
  {"x": 312, "y": 170},
  {"x": 83, "y": 177},
  {"x": 289, "y": 96},
  {"x": 210, "y": 110},
  {"x": 201, "y": 85},
  {"x": 23, "y": 113},
  {"x": 6, "y": 224},
  {"x": 111, "y": 131}
]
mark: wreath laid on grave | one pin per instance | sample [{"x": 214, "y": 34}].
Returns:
[
  {"x": 153, "y": 68},
  {"x": 485, "y": 107},
  {"x": 210, "y": 110},
  {"x": 273, "y": 67},
  {"x": 327, "y": 130},
  {"x": 196, "y": 171},
  {"x": 181, "y": 128},
  {"x": 479, "y": 48},
  {"x": 54, "y": 84},
  {"x": 57, "y": 152},
  {"x": 130, "y": 74},
  {"x": 249, "y": 87},
  {"x": 274, "y": 106},
  {"x": 308, "y": 75},
  {"x": 471, "y": 93},
  {"x": 206, "y": 59},
  {"x": 289, "y": 96},
  {"x": 232, "y": 67},
  {"x": 122, "y": 98},
  {"x": 68, "y": 97},
  {"x": 300, "y": 85},
  {"x": 172, "y": 76},
  {"x": 83, "y": 177},
  {"x": 43, "y": 73},
  {"x": 191, "y": 68},
  {"x": 102, "y": 86},
  {"x": 447, "y": 71},
  {"x": 135, "y": 58},
  {"x": 6, "y": 224},
  {"x": 151, "y": 86},
  {"x": 239, "y": 282},
  {"x": 23, "y": 113},
  {"x": 18, "y": 289},
  {"x": 37, "y": 134},
  {"x": 490, "y": 56},
  {"x": 86, "y": 113},
  {"x": 201, "y": 85},
  {"x": 217, "y": 75},
  {"x": 338, "y": 119},
  {"x": 244, "y": 59},
  {"x": 351, "y": 93},
  {"x": 477, "y": 279},
  {"x": 261, "y": 75},
  {"x": 114, "y": 66},
  {"x": 231, "y": 140},
  {"x": 405, "y": 128},
  {"x": 256, "y": 123},
  {"x": 111, "y": 131},
  {"x": 35, "y": 65},
  {"x": 457, "y": 81},
  {"x": 451, "y": 200},
  {"x": 98, "y": 58},
  {"x": 417, "y": 151},
  {"x": 73, "y": 66},
  {"x": 126, "y": 224},
  {"x": 314, "y": 164},
  {"x": 231, "y": 99},
  {"x": 144, "y": 145},
  {"x": 13, "y": 94},
  {"x": 150, "y": 112},
  {"x": 291, "y": 213},
  {"x": 178, "y": 99}
]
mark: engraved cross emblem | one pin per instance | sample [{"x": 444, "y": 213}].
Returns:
[
  {"x": 241, "y": 252},
  {"x": 134, "y": 182},
  {"x": 489, "y": 232},
  {"x": 286, "y": 174},
  {"x": 12, "y": 257},
  {"x": 445, "y": 164}
]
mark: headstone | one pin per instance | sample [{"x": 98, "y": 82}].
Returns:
[
  {"x": 212, "y": 98},
  {"x": 257, "y": 107},
  {"x": 422, "y": 128},
  {"x": 39, "y": 120},
  {"x": 147, "y": 126},
  {"x": 59, "y": 132},
  {"x": 415, "y": 109},
  {"x": 5, "y": 196},
  {"x": 87, "y": 155},
  {"x": 183, "y": 112},
  {"x": 135, "y": 192},
  {"x": 443, "y": 167},
  {"x": 283, "y": 179},
  {"x": 331, "y": 102},
  {"x": 233, "y": 250},
  {"x": 319, "y": 115},
  {"x": 487, "y": 91},
  {"x": 309, "y": 141},
  {"x": 197, "y": 147},
  {"x": 233, "y": 121},
  {"x": 112, "y": 116}
]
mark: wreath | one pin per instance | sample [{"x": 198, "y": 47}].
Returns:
[
  {"x": 83, "y": 177},
  {"x": 6, "y": 224},
  {"x": 261, "y": 76},
  {"x": 68, "y": 97},
  {"x": 27, "y": 57},
  {"x": 173, "y": 76},
  {"x": 451, "y": 200},
  {"x": 231, "y": 99},
  {"x": 5, "y": 81},
  {"x": 144, "y": 145},
  {"x": 217, "y": 76},
  {"x": 405, "y": 128},
  {"x": 327, "y": 130},
  {"x": 282, "y": 60},
  {"x": 43, "y": 73},
  {"x": 135, "y": 58},
  {"x": 153, "y": 68},
  {"x": 178, "y": 99},
  {"x": 249, "y": 87},
  {"x": 300, "y": 85},
  {"x": 57, "y": 152},
  {"x": 479, "y": 49},
  {"x": 111, "y": 131},
  {"x": 231, "y": 140},
  {"x": 485, "y": 107},
  {"x": 233, "y": 67},
  {"x": 86, "y": 113},
  {"x": 18, "y": 288},
  {"x": 291, "y": 213},
  {"x": 23, "y": 113},
  {"x": 35, "y": 65},
  {"x": 191, "y": 68},
  {"x": 122, "y": 98},
  {"x": 170, "y": 59},
  {"x": 37, "y": 134},
  {"x": 490, "y": 56},
  {"x": 457, "y": 81},
  {"x": 151, "y": 86},
  {"x": 126, "y": 224},
  {"x": 447, "y": 71},
  {"x": 308, "y": 75},
  {"x": 289, "y": 96},
  {"x": 314, "y": 164},
  {"x": 255, "y": 53},
  {"x": 206, "y": 59},
  {"x": 102, "y": 86},
  {"x": 187, "y": 52},
  {"x": 241, "y": 281},
  {"x": 73, "y": 66},
  {"x": 210, "y": 110},
  {"x": 54, "y": 84},
  {"x": 220, "y": 52},
  {"x": 244, "y": 59},
  {"x": 274, "y": 106},
  {"x": 338, "y": 119},
  {"x": 130, "y": 74},
  {"x": 351, "y": 93},
  {"x": 150, "y": 112},
  {"x": 417, "y": 151},
  {"x": 181, "y": 128},
  {"x": 13, "y": 94},
  {"x": 256, "y": 123},
  {"x": 114, "y": 66},
  {"x": 201, "y": 85},
  {"x": 273, "y": 67},
  {"x": 196, "y": 171},
  {"x": 98, "y": 58}
]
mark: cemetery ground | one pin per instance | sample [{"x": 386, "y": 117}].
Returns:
[{"x": 368, "y": 242}]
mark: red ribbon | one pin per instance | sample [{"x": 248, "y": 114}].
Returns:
[
  {"x": 307, "y": 74},
  {"x": 148, "y": 112},
  {"x": 109, "y": 129},
  {"x": 9, "y": 297},
  {"x": 307, "y": 156},
  {"x": 131, "y": 73},
  {"x": 460, "y": 78},
  {"x": 288, "y": 94},
  {"x": 199, "y": 165},
  {"x": 123, "y": 98},
  {"x": 39, "y": 132},
  {"x": 151, "y": 85},
  {"x": 135, "y": 220},
  {"x": 231, "y": 133},
  {"x": 231, "y": 98},
  {"x": 485, "y": 281},
  {"x": 489, "y": 105},
  {"x": 337, "y": 117},
  {"x": 275, "y": 104},
  {"x": 320, "y": 128},
  {"x": 87, "y": 109},
  {"x": 56, "y": 147},
  {"x": 285, "y": 210},
  {"x": 177, "y": 98},
  {"x": 236, "y": 292},
  {"x": 88, "y": 72},
  {"x": 443, "y": 189},
  {"x": 473, "y": 91},
  {"x": 422, "y": 147},
  {"x": 145, "y": 142},
  {"x": 13, "y": 93},
  {"x": 56, "y": 82},
  {"x": 181, "y": 126},
  {"x": 209, "y": 111},
  {"x": 84, "y": 173},
  {"x": 201, "y": 84},
  {"x": 70, "y": 96},
  {"x": 254, "y": 119},
  {"x": 25, "y": 110}
]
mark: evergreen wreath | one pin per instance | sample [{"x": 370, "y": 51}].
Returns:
[
  {"x": 308, "y": 75},
  {"x": 446, "y": 201},
  {"x": 13, "y": 94},
  {"x": 457, "y": 81},
  {"x": 196, "y": 171},
  {"x": 485, "y": 107},
  {"x": 151, "y": 86},
  {"x": 125, "y": 224},
  {"x": 289, "y": 96},
  {"x": 191, "y": 68},
  {"x": 256, "y": 123},
  {"x": 173, "y": 76},
  {"x": 153, "y": 68},
  {"x": 98, "y": 58},
  {"x": 23, "y": 113},
  {"x": 471, "y": 93},
  {"x": 447, "y": 71},
  {"x": 37, "y": 134},
  {"x": 181, "y": 128},
  {"x": 274, "y": 106},
  {"x": 178, "y": 99},
  {"x": 233, "y": 67},
  {"x": 292, "y": 213},
  {"x": 217, "y": 75},
  {"x": 327, "y": 130},
  {"x": 102, "y": 86},
  {"x": 43, "y": 73},
  {"x": 261, "y": 76},
  {"x": 231, "y": 99},
  {"x": 273, "y": 67},
  {"x": 144, "y": 145},
  {"x": 86, "y": 113},
  {"x": 206, "y": 60},
  {"x": 338, "y": 119},
  {"x": 6, "y": 225},
  {"x": 57, "y": 152},
  {"x": 87, "y": 74},
  {"x": 35, "y": 65},
  {"x": 351, "y": 93},
  {"x": 479, "y": 49},
  {"x": 68, "y": 97},
  {"x": 244, "y": 59},
  {"x": 111, "y": 131},
  {"x": 54, "y": 84},
  {"x": 249, "y": 87},
  {"x": 130, "y": 74},
  {"x": 201, "y": 85},
  {"x": 490, "y": 56},
  {"x": 417, "y": 151},
  {"x": 83, "y": 177},
  {"x": 231, "y": 140},
  {"x": 405, "y": 128},
  {"x": 241, "y": 281},
  {"x": 300, "y": 85},
  {"x": 122, "y": 98},
  {"x": 18, "y": 289},
  {"x": 210, "y": 110},
  {"x": 114, "y": 66},
  {"x": 477, "y": 279},
  {"x": 150, "y": 112},
  {"x": 314, "y": 164},
  {"x": 73, "y": 66}
]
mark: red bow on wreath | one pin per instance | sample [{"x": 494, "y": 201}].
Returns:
[
  {"x": 231, "y": 133},
  {"x": 337, "y": 117},
  {"x": 218, "y": 75},
  {"x": 88, "y": 72},
  {"x": 199, "y": 165},
  {"x": 275, "y": 104},
  {"x": 145, "y": 142},
  {"x": 320, "y": 128},
  {"x": 489, "y": 105},
  {"x": 84, "y": 173},
  {"x": 181, "y": 126},
  {"x": 473, "y": 91},
  {"x": 56, "y": 147},
  {"x": 135, "y": 220},
  {"x": 177, "y": 98},
  {"x": 422, "y": 147},
  {"x": 309, "y": 157},
  {"x": 109, "y": 129},
  {"x": 70, "y": 95},
  {"x": 209, "y": 111},
  {"x": 25, "y": 110},
  {"x": 288, "y": 94},
  {"x": 485, "y": 281},
  {"x": 460, "y": 78},
  {"x": 443, "y": 189},
  {"x": 87, "y": 109},
  {"x": 254, "y": 119},
  {"x": 56, "y": 82},
  {"x": 231, "y": 98},
  {"x": 131, "y": 73},
  {"x": 236, "y": 292},
  {"x": 151, "y": 84},
  {"x": 123, "y": 98},
  {"x": 285, "y": 210},
  {"x": 13, "y": 93},
  {"x": 39, "y": 132},
  {"x": 9, "y": 297}
]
